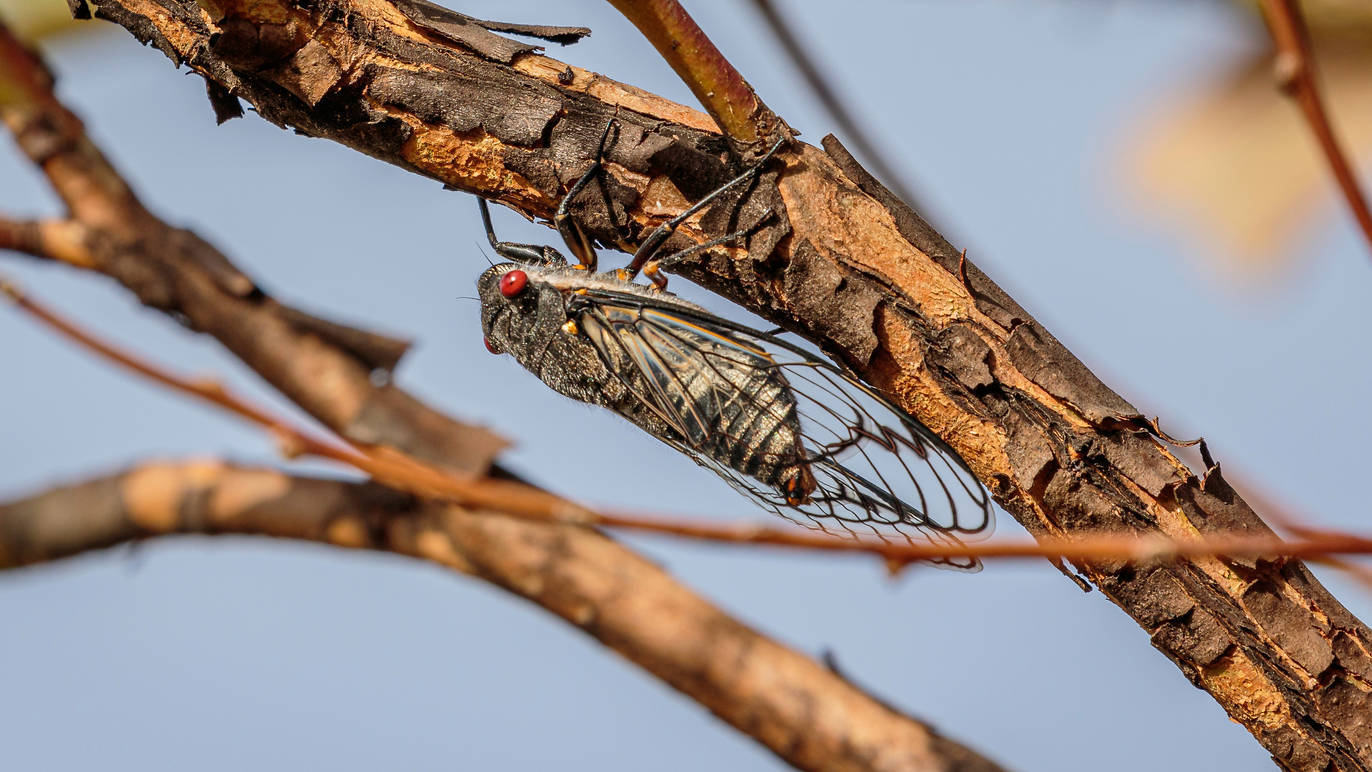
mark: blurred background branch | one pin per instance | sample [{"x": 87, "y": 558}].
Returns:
[
  {"x": 810, "y": 716},
  {"x": 1296, "y": 76},
  {"x": 1233, "y": 162}
]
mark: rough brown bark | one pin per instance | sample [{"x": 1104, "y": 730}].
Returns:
[
  {"x": 817, "y": 721},
  {"x": 853, "y": 269}
]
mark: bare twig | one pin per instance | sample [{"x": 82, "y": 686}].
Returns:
[
  {"x": 63, "y": 240},
  {"x": 1295, "y": 66},
  {"x": 721, "y": 89},
  {"x": 850, "y": 128},
  {"x": 1286, "y": 520},
  {"x": 386, "y": 466}
]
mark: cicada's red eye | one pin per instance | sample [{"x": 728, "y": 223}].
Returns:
[
  {"x": 490, "y": 346},
  {"x": 513, "y": 283}
]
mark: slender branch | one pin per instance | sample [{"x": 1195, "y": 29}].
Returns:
[
  {"x": 810, "y": 716},
  {"x": 721, "y": 89},
  {"x": 385, "y": 466},
  {"x": 46, "y": 239},
  {"x": 1296, "y": 75}
]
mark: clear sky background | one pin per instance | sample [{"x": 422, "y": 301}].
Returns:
[{"x": 1010, "y": 118}]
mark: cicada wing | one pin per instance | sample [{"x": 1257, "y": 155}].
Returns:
[
  {"x": 807, "y": 516},
  {"x": 613, "y": 334},
  {"x": 876, "y": 470},
  {"x": 687, "y": 390},
  {"x": 876, "y": 458}
]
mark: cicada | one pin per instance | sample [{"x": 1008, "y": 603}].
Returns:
[{"x": 787, "y": 428}]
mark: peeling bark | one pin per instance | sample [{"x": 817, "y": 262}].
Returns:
[{"x": 1059, "y": 450}]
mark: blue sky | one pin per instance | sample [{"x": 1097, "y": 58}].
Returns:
[{"x": 1009, "y": 118}]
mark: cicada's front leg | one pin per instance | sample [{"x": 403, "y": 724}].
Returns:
[
  {"x": 538, "y": 254},
  {"x": 576, "y": 239}
]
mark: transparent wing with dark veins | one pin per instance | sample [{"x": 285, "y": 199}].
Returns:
[{"x": 718, "y": 384}]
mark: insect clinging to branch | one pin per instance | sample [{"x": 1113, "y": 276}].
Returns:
[{"x": 794, "y": 432}]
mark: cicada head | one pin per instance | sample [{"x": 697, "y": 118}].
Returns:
[{"x": 520, "y": 311}]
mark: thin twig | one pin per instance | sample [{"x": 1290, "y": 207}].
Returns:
[
  {"x": 721, "y": 89},
  {"x": 1286, "y": 520},
  {"x": 829, "y": 99},
  {"x": 392, "y": 468},
  {"x": 1295, "y": 67}
]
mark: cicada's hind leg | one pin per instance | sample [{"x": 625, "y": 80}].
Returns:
[
  {"x": 647, "y": 251},
  {"x": 653, "y": 268}
]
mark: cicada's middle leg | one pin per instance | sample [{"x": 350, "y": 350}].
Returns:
[{"x": 572, "y": 235}]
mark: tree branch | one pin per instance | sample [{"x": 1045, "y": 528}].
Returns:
[
  {"x": 853, "y": 269},
  {"x": 726, "y": 96},
  {"x": 1295, "y": 67},
  {"x": 818, "y": 721}
]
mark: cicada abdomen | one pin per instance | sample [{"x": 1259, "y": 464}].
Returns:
[{"x": 722, "y": 398}]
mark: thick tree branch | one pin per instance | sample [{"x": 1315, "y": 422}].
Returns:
[
  {"x": 852, "y": 268},
  {"x": 818, "y": 721}
]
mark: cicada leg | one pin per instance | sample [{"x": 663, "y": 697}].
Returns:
[
  {"x": 572, "y": 235},
  {"x": 577, "y": 241},
  {"x": 653, "y": 268},
  {"x": 514, "y": 251},
  {"x": 648, "y": 249}
]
